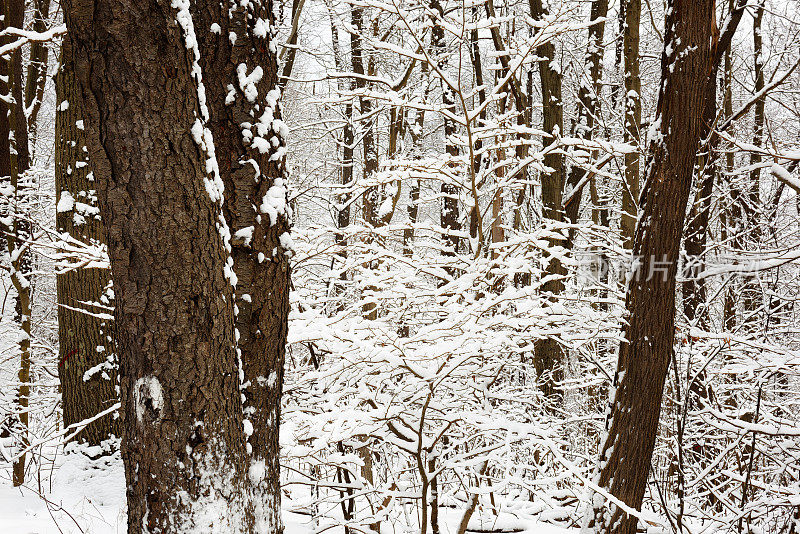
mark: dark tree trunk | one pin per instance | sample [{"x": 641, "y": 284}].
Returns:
[
  {"x": 21, "y": 265},
  {"x": 369, "y": 145},
  {"x": 751, "y": 212},
  {"x": 347, "y": 142},
  {"x": 633, "y": 118},
  {"x": 412, "y": 208},
  {"x": 256, "y": 209},
  {"x": 548, "y": 355},
  {"x": 450, "y": 217},
  {"x": 86, "y": 356},
  {"x": 474, "y": 216},
  {"x": 588, "y": 96},
  {"x": 694, "y": 288},
  {"x": 644, "y": 356},
  {"x": 160, "y": 197},
  {"x": 291, "y": 51},
  {"x": 36, "y": 77},
  {"x": 732, "y": 210},
  {"x": 524, "y": 115},
  {"x": 15, "y": 13}
]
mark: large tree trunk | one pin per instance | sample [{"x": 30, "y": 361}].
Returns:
[
  {"x": 548, "y": 355},
  {"x": 86, "y": 355},
  {"x": 251, "y": 166},
  {"x": 633, "y": 118},
  {"x": 160, "y": 197},
  {"x": 644, "y": 356}
]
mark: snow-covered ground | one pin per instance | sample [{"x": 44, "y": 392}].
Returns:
[
  {"x": 73, "y": 494},
  {"x": 70, "y": 494}
]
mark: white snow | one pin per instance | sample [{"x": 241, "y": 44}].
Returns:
[
  {"x": 785, "y": 176},
  {"x": 274, "y": 202},
  {"x": 247, "y": 82},
  {"x": 148, "y": 396},
  {"x": 66, "y": 202}
]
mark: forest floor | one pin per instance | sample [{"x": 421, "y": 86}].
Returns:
[{"x": 73, "y": 494}]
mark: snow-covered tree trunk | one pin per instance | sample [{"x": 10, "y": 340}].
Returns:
[
  {"x": 644, "y": 356},
  {"x": 347, "y": 140},
  {"x": 450, "y": 218},
  {"x": 238, "y": 58},
  {"x": 732, "y": 207},
  {"x": 36, "y": 77},
  {"x": 86, "y": 354},
  {"x": 371, "y": 200},
  {"x": 632, "y": 119},
  {"x": 751, "y": 214},
  {"x": 548, "y": 355},
  {"x": 19, "y": 233},
  {"x": 160, "y": 195},
  {"x": 588, "y": 99}
]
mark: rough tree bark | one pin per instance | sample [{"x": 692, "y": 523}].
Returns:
[
  {"x": 241, "y": 81},
  {"x": 86, "y": 355},
  {"x": 644, "y": 356},
  {"x": 160, "y": 197}
]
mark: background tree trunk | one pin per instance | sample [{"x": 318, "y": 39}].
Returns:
[
  {"x": 86, "y": 355},
  {"x": 450, "y": 216},
  {"x": 347, "y": 141},
  {"x": 36, "y": 77},
  {"x": 694, "y": 288},
  {"x": 751, "y": 212},
  {"x": 633, "y": 118},
  {"x": 548, "y": 355},
  {"x": 22, "y": 259},
  {"x": 588, "y": 97},
  {"x": 369, "y": 146}
]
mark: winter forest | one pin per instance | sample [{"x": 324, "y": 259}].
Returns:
[{"x": 400, "y": 266}]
